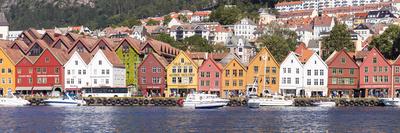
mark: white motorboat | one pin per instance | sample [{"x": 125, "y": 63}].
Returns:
[
  {"x": 391, "y": 101},
  {"x": 274, "y": 100},
  {"x": 13, "y": 101},
  {"x": 204, "y": 101},
  {"x": 66, "y": 100},
  {"x": 324, "y": 104}
]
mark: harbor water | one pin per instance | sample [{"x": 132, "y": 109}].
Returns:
[{"x": 39, "y": 119}]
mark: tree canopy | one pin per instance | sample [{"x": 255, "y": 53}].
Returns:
[
  {"x": 339, "y": 38},
  {"x": 226, "y": 15},
  {"x": 279, "y": 42},
  {"x": 388, "y": 42}
]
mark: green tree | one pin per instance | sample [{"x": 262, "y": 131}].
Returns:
[
  {"x": 165, "y": 38},
  {"x": 196, "y": 44},
  {"x": 339, "y": 38},
  {"x": 388, "y": 42},
  {"x": 152, "y": 22},
  {"x": 279, "y": 42},
  {"x": 167, "y": 19},
  {"x": 226, "y": 15},
  {"x": 183, "y": 18},
  {"x": 129, "y": 22}
]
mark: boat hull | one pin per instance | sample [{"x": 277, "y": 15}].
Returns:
[
  {"x": 13, "y": 102},
  {"x": 324, "y": 104},
  {"x": 253, "y": 104},
  {"x": 209, "y": 105}
]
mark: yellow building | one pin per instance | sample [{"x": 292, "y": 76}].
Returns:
[
  {"x": 263, "y": 73},
  {"x": 233, "y": 78},
  {"x": 8, "y": 59},
  {"x": 181, "y": 76}
]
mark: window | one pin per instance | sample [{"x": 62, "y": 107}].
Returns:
[
  {"x": 190, "y": 69},
  {"x": 94, "y": 81},
  {"x": 267, "y": 69},
  {"x": 57, "y": 80},
  {"x": 374, "y": 60},
  {"x": 240, "y": 73},
  {"x": 334, "y": 80},
  {"x": 315, "y": 81},
  {"x": 366, "y": 69},
  {"x": 84, "y": 72},
  {"x": 321, "y": 72},
  {"x": 76, "y": 62},
  {"x": 179, "y": 80},
  {"x": 255, "y": 69},
  {"x": 103, "y": 71},
  {"x": 343, "y": 60},
  {"x": 30, "y": 70},
  {"x": 351, "y": 71},
  {"x": 340, "y": 71},
  {"x": 108, "y": 71},
  {"x": 334, "y": 71},
  {"x": 68, "y": 81},
  {"x": 217, "y": 74},
  {"x": 226, "y": 82},
  {"x": 289, "y": 70},
  {"x": 380, "y": 69},
  {"x": 386, "y": 79},
  {"x": 202, "y": 74},
  {"x": 273, "y": 69},
  {"x": 234, "y": 72},
  {"x": 39, "y": 80},
  {"x": 284, "y": 70},
  {"x": 375, "y": 69},
  {"x": 79, "y": 81},
  {"x": 182, "y": 60},
  {"x": 309, "y": 72},
  {"x": 158, "y": 69},
  {"x": 1, "y": 61},
  {"x": 397, "y": 79},
  {"x": 208, "y": 74},
  {"x": 9, "y": 70},
  {"x": 47, "y": 59},
  {"x": 143, "y": 69},
  {"x": 202, "y": 83},
  {"x": 179, "y": 69},
  {"x": 316, "y": 72},
  {"x": 283, "y": 80},
  {"x": 397, "y": 69},
  {"x": 19, "y": 70},
  {"x": 3, "y": 80},
  {"x": 79, "y": 72},
  {"x": 100, "y": 62},
  {"x": 173, "y": 79},
  {"x": 56, "y": 70},
  {"x": 289, "y": 80},
  {"x": 38, "y": 70},
  {"x": 386, "y": 69},
  {"x": 44, "y": 80},
  {"x": 240, "y": 82},
  {"x": 273, "y": 80},
  {"x": 227, "y": 73},
  {"x": 297, "y": 81},
  {"x": 208, "y": 83},
  {"x": 19, "y": 80},
  {"x": 308, "y": 81},
  {"x": 44, "y": 70},
  {"x": 3, "y": 70},
  {"x": 321, "y": 81},
  {"x": 30, "y": 80},
  {"x": 216, "y": 83},
  {"x": 297, "y": 70}
]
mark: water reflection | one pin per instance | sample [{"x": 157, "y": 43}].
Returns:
[{"x": 176, "y": 119}]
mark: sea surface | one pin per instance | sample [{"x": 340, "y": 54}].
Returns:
[{"x": 43, "y": 119}]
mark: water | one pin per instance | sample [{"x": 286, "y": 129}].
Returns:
[{"x": 176, "y": 119}]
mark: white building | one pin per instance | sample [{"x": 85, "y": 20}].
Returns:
[
  {"x": 12, "y": 35},
  {"x": 291, "y": 74},
  {"x": 245, "y": 28},
  {"x": 139, "y": 33},
  {"x": 184, "y": 31},
  {"x": 381, "y": 16},
  {"x": 241, "y": 47},
  {"x": 174, "y": 22},
  {"x": 323, "y": 24},
  {"x": 304, "y": 34},
  {"x": 222, "y": 34},
  {"x": 106, "y": 69},
  {"x": 265, "y": 17},
  {"x": 315, "y": 76},
  {"x": 200, "y": 16},
  {"x": 76, "y": 72},
  {"x": 321, "y": 4},
  {"x": 3, "y": 27}
]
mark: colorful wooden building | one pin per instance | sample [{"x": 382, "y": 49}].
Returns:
[
  {"x": 343, "y": 76},
  {"x": 128, "y": 52},
  {"x": 8, "y": 60},
  {"x": 233, "y": 77},
  {"x": 263, "y": 73},
  {"x": 210, "y": 76},
  {"x": 375, "y": 74},
  {"x": 315, "y": 76},
  {"x": 182, "y": 74},
  {"x": 291, "y": 76},
  {"x": 396, "y": 77},
  {"x": 152, "y": 75}
]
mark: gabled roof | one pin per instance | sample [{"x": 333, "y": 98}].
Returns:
[
  {"x": 323, "y": 21},
  {"x": 238, "y": 61},
  {"x": 39, "y": 42},
  {"x": 21, "y": 45},
  {"x": 319, "y": 58},
  {"x": 88, "y": 43},
  {"x": 113, "y": 58},
  {"x": 230, "y": 56},
  {"x": 134, "y": 43},
  {"x": 110, "y": 43},
  {"x": 262, "y": 51},
  {"x": 291, "y": 53},
  {"x": 218, "y": 65},
  {"x": 250, "y": 22},
  {"x": 379, "y": 53},
  {"x": 14, "y": 55},
  {"x": 73, "y": 36},
  {"x": 330, "y": 57},
  {"x": 305, "y": 55},
  {"x": 160, "y": 47},
  {"x": 66, "y": 42},
  {"x": 86, "y": 57},
  {"x": 329, "y": 62},
  {"x": 187, "y": 57}
]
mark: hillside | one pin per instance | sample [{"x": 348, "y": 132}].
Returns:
[{"x": 23, "y": 14}]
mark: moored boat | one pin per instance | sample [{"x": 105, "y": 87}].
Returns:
[
  {"x": 66, "y": 100},
  {"x": 13, "y": 101},
  {"x": 324, "y": 104},
  {"x": 391, "y": 101},
  {"x": 273, "y": 100},
  {"x": 204, "y": 101}
]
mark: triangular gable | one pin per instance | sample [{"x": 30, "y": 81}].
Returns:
[
  {"x": 292, "y": 54},
  {"x": 379, "y": 53},
  {"x": 262, "y": 51},
  {"x": 51, "y": 53},
  {"x": 49, "y": 39},
  {"x": 212, "y": 62},
  {"x": 102, "y": 41},
  {"x": 130, "y": 43},
  {"x": 79, "y": 41},
  {"x": 39, "y": 43},
  {"x": 238, "y": 62},
  {"x": 25, "y": 59},
  {"x": 14, "y": 62},
  {"x": 157, "y": 59},
  {"x": 318, "y": 57},
  {"x": 182, "y": 53},
  {"x": 59, "y": 40},
  {"x": 340, "y": 53},
  {"x": 79, "y": 57},
  {"x": 150, "y": 44}
]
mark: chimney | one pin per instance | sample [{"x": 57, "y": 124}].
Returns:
[{"x": 206, "y": 56}]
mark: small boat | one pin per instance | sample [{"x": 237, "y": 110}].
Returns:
[
  {"x": 66, "y": 100},
  {"x": 13, "y": 101},
  {"x": 209, "y": 105},
  {"x": 253, "y": 103},
  {"x": 204, "y": 101},
  {"x": 274, "y": 100},
  {"x": 324, "y": 104},
  {"x": 391, "y": 101}
]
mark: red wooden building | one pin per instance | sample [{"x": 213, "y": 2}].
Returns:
[
  {"x": 41, "y": 74},
  {"x": 375, "y": 74},
  {"x": 152, "y": 75},
  {"x": 396, "y": 77},
  {"x": 210, "y": 77},
  {"x": 343, "y": 76}
]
